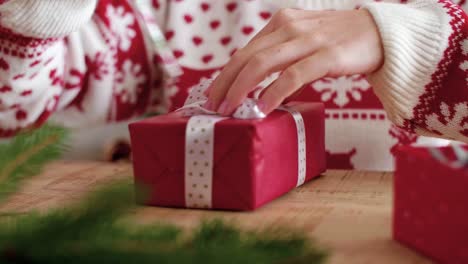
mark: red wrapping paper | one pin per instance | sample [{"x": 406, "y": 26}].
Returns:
[
  {"x": 431, "y": 205},
  {"x": 255, "y": 161}
]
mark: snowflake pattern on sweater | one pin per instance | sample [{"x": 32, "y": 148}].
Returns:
[
  {"x": 341, "y": 90},
  {"x": 99, "y": 64}
]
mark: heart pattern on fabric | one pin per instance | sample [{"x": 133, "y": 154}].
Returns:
[
  {"x": 169, "y": 35},
  {"x": 205, "y": 34},
  {"x": 205, "y": 6},
  {"x": 247, "y": 30},
  {"x": 178, "y": 53},
  {"x": 265, "y": 15},
  {"x": 207, "y": 58},
  {"x": 215, "y": 24},
  {"x": 188, "y": 19},
  {"x": 231, "y": 7},
  {"x": 225, "y": 40},
  {"x": 197, "y": 40}
]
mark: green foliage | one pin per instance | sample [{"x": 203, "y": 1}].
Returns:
[
  {"x": 92, "y": 233},
  {"x": 27, "y": 153},
  {"x": 97, "y": 231}
]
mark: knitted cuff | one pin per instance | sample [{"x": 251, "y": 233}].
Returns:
[
  {"x": 45, "y": 18},
  {"x": 414, "y": 37}
]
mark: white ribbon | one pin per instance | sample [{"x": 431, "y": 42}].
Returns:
[
  {"x": 199, "y": 160},
  {"x": 199, "y": 143},
  {"x": 301, "y": 143},
  {"x": 460, "y": 154}
]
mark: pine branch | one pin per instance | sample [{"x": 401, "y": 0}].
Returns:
[
  {"x": 95, "y": 233},
  {"x": 26, "y": 154}
]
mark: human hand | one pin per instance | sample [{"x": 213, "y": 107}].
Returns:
[{"x": 304, "y": 46}]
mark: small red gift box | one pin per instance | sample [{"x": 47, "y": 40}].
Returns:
[
  {"x": 254, "y": 161},
  {"x": 431, "y": 203}
]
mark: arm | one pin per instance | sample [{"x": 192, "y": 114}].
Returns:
[
  {"x": 414, "y": 55},
  {"x": 423, "y": 81},
  {"x": 32, "y": 57},
  {"x": 46, "y": 18}
]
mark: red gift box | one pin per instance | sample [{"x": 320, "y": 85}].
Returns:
[
  {"x": 431, "y": 203},
  {"x": 255, "y": 161}
]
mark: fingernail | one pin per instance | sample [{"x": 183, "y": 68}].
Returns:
[
  {"x": 208, "y": 105},
  {"x": 224, "y": 108}
]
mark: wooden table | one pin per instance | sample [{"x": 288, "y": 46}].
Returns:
[{"x": 347, "y": 212}]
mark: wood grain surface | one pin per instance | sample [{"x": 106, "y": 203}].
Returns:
[{"x": 347, "y": 212}]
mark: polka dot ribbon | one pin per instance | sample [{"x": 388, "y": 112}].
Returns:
[
  {"x": 199, "y": 143},
  {"x": 301, "y": 143}
]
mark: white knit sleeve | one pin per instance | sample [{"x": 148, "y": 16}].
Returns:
[
  {"x": 414, "y": 37},
  {"x": 45, "y": 18}
]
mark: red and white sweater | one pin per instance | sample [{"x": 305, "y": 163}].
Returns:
[{"x": 85, "y": 62}]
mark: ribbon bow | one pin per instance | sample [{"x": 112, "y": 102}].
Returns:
[{"x": 194, "y": 104}]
